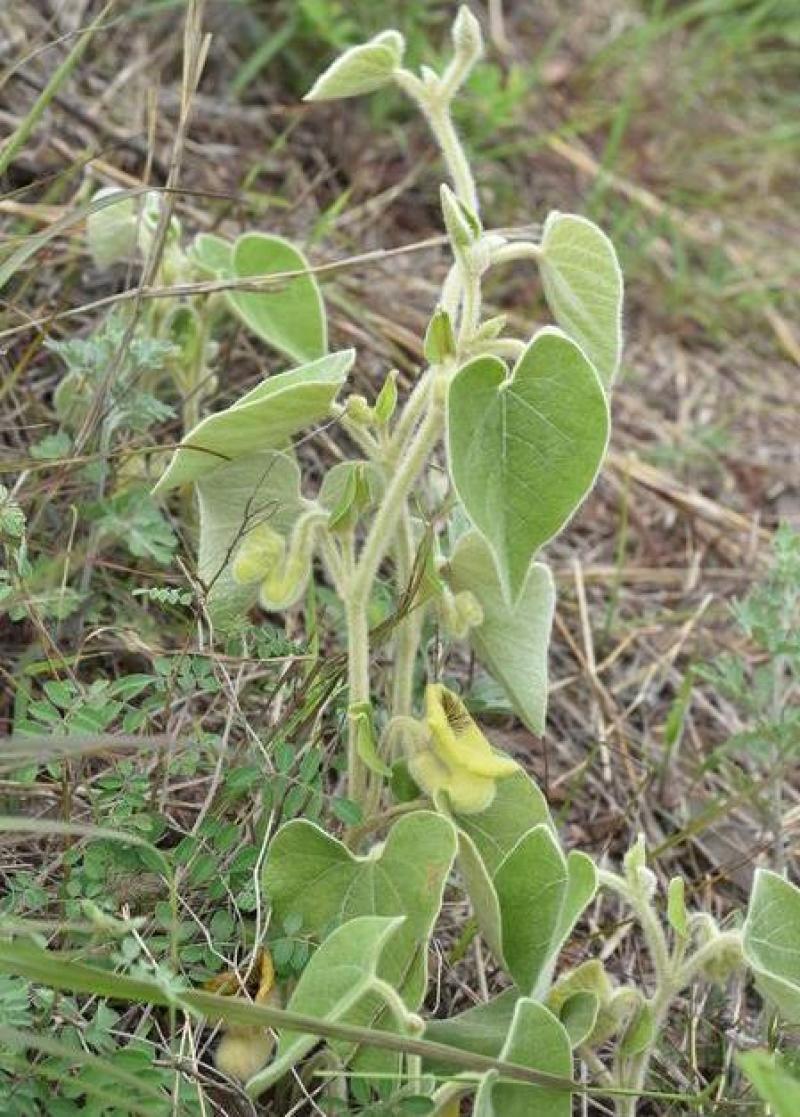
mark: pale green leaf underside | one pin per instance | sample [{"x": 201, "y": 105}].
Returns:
[
  {"x": 772, "y": 941},
  {"x": 312, "y": 875},
  {"x": 579, "y": 1016},
  {"x": 232, "y": 500},
  {"x": 537, "y": 1040},
  {"x": 511, "y": 642},
  {"x": 266, "y": 418},
  {"x": 361, "y": 69},
  {"x": 335, "y": 979},
  {"x": 213, "y": 254},
  {"x": 583, "y": 286},
  {"x": 525, "y": 449},
  {"x": 290, "y": 316}
]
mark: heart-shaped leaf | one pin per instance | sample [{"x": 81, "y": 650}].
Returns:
[
  {"x": 583, "y": 286},
  {"x": 263, "y": 488},
  {"x": 771, "y": 941},
  {"x": 531, "y": 884},
  {"x": 360, "y": 69},
  {"x": 528, "y": 904},
  {"x": 484, "y": 840},
  {"x": 312, "y": 876},
  {"x": 538, "y": 1040},
  {"x": 525, "y": 449},
  {"x": 338, "y": 975},
  {"x": 511, "y": 642},
  {"x": 289, "y": 315},
  {"x": 265, "y": 418}
]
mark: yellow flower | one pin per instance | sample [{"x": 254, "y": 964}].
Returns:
[
  {"x": 261, "y": 550},
  {"x": 458, "y": 759},
  {"x": 243, "y": 1051},
  {"x": 282, "y": 568}
]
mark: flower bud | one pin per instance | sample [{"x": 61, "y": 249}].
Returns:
[
  {"x": 261, "y": 550},
  {"x": 725, "y": 962},
  {"x": 111, "y": 229},
  {"x": 386, "y": 403},
  {"x": 460, "y": 612},
  {"x": 285, "y": 584},
  {"x": 462, "y": 225},
  {"x": 440, "y": 342},
  {"x": 359, "y": 411},
  {"x": 467, "y": 36}
]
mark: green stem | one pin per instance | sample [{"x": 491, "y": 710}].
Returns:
[
  {"x": 652, "y": 930},
  {"x": 672, "y": 973},
  {"x": 516, "y": 250},
  {"x": 435, "y": 105},
  {"x": 408, "y": 629},
  {"x": 413, "y": 410},
  {"x": 378, "y": 541},
  {"x": 384, "y": 525},
  {"x": 358, "y": 687},
  {"x": 441, "y": 123}
]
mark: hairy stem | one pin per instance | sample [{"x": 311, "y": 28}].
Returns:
[
  {"x": 378, "y": 541},
  {"x": 673, "y": 972},
  {"x": 652, "y": 930},
  {"x": 441, "y": 123},
  {"x": 408, "y": 629},
  {"x": 358, "y": 689}
]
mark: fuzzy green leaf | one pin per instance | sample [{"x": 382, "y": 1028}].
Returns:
[
  {"x": 212, "y": 254},
  {"x": 583, "y": 287},
  {"x": 567, "y": 1000},
  {"x": 537, "y": 1040},
  {"x": 290, "y": 316},
  {"x": 525, "y": 449},
  {"x": 481, "y": 1030},
  {"x": 511, "y": 642},
  {"x": 518, "y": 805},
  {"x": 265, "y": 418},
  {"x": 677, "y": 915},
  {"x": 312, "y": 875},
  {"x": 361, "y": 69},
  {"x": 774, "y": 1081},
  {"x": 335, "y": 979},
  {"x": 482, "y": 893},
  {"x": 111, "y": 229},
  {"x": 531, "y": 884},
  {"x": 771, "y": 941},
  {"x": 541, "y": 894},
  {"x": 262, "y": 488},
  {"x": 581, "y": 890},
  {"x": 579, "y": 1016}
]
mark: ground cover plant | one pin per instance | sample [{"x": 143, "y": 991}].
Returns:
[{"x": 268, "y": 947}]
